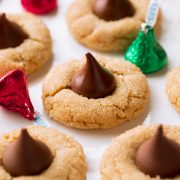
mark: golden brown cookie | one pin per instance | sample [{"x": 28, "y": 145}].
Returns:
[
  {"x": 68, "y": 156},
  {"x": 118, "y": 161},
  {"x": 33, "y": 52},
  {"x": 173, "y": 88},
  {"x": 65, "y": 106},
  {"x": 102, "y": 35}
]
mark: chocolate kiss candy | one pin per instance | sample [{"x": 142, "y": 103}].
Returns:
[
  {"x": 11, "y": 34},
  {"x": 93, "y": 81},
  {"x": 14, "y": 94},
  {"x": 39, "y": 6},
  {"x": 111, "y": 10},
  {"x": 146, "y": 53},
  {"x": 159, "y": 156},
  {"x": 26, "y": 156}
]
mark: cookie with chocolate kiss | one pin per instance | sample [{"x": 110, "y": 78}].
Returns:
[
  {"x": 96, "y": 92},
  {"x": 11, "y": 34},
  {"x": 159, "y": 156},
  {"x": 108, "y": 25},
  {"x": 26, "y": 156},
  {"x": 93, "y": 81},
  {"x": 142, "y": 153},
  {"x": 111, "y": 10},
  {"x": 25, "y": 43},
  {"x": 69, "y": 161}
]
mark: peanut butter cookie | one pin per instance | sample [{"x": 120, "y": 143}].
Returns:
[
  {"x": 25, "y": 43},
  {"x": 92, "y": 94},
  {"x": 173, "y": 88},
  {"x": 107, "y": 25},
  {"x": 39, "y": 153},
  {"x": 143, "y": 153}
]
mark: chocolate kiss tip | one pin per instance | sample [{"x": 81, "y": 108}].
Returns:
[
  {"x": 24, "y": 133},
  {"x": 111, "y": 10},
  {"x": 26, "y": 156},
  {"x": 159, "y": 156},
  {"x": 93, "y": 81},
  {"x": 90, "y": 60},
  {"x": 2, "y": 19},
  {"x": 2, "y": 15},
  {"x": 89, "y": 56},
  {"x": 160, "y": 130}
]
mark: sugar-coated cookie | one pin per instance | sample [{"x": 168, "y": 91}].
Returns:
[
  {"x": 25, "y": 43},
  {"x": 97, "y": 31},
  {"x": 104, "y": 104},
  {"x": 143, "y": 153},
  {"x": 41, "y": 153},
  {"x": 173, "y": 88}
]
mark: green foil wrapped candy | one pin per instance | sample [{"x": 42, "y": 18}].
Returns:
[{"x": 145, "y": 52}]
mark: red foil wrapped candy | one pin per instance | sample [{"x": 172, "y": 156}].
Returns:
[
  {"x": 14, "y": 94},
  {"x": 39, "y": 6}
]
